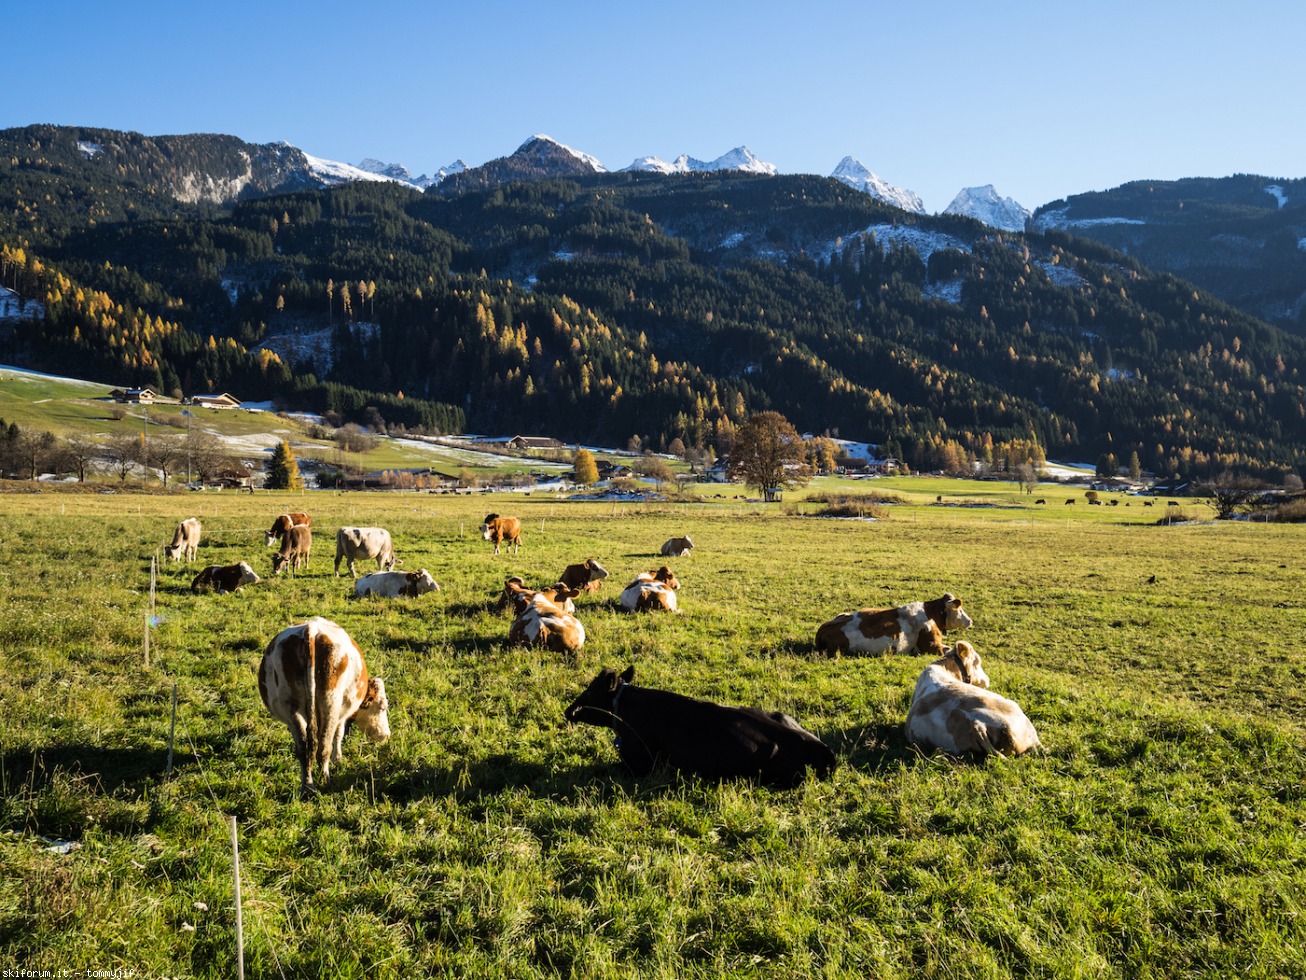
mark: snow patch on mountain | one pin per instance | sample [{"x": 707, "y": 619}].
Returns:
[
  {"x": 398, "y": 172},
  {"x": 1060, "y": 274},
  {"x": 13, "y": 308},
  {"x": 1061, "y": 220},
  {"x": 852, "y": 173},
  {"x": 924, "y": 243},
  {"x": 584, "y": 158},
  {"x": 92, "y": 150},
  {"x": 948, "y": 290},
  {"x": 1276, "y": 192},
  {"x": 741, "y": 158},
  {"x": 332, "y": 173},
  {"x": 986, "y": 205}
]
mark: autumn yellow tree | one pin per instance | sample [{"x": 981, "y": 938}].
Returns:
[
  {"x": 586, "y": 470},
  {"x": 768, "y": 453}
]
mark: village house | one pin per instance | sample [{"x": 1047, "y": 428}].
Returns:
[{"x": 224, "y": 400}]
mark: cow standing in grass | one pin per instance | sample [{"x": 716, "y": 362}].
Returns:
[
  {"x": 361, "y": 543},
  {"x": 296, "y": 544},
  {"x": 185, "y": 540},
  {"x": 502, "y": 529},
  {"x": 284, "y": 523}
]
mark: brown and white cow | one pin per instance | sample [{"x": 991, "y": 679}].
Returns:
[
  {"x": 296, "y": 544},
  {"x": 313, "y": 678},
  {"x": 502, "y": 529},
  {"x": 916, "y": 627},
  {"x": 284, "y": 523},
  {"x": 361, "y": 543},
  {"x": 514, "y": 589},
  {"x": 225, "y": 578},
  {"x": 677, "y": 547},
  {"x": 651, "y": 590},
  {"x": 952, "y": 710},
  {"x": 542, "y": 619},
  {"x": 185, "y": 540},
  {"x": 391, "y": 585},
  {"x": 587, "y": 576}
]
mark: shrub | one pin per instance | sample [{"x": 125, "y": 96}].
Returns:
[{"x": 1292, "y": 512}]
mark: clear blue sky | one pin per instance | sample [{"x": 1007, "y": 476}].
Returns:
[{"x": 1041, "y": 99}]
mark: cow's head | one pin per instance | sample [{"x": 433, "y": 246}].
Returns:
[
  {"x": 598, "y": 698},
  {"x": 247, "y": 576},
  {"x": 172, "y": 551},
  {"x": 279, "y": 563},
  {"x": 419, "y": 583},
  {"x": 597, "y": 572},
  {"x": 487, "y": 524},
  {"x": 688, "y": 543},
  {"x": 373, "y": 714},
  {"x": 517, "y": 595},
  {"x": 955, "y": 616},
  {"x": 666, "y": 577},
  {"x": 963, "y": 661}
]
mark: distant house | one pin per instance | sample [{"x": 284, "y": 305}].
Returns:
[
  {"x": 522, "y": 443},
  {"x": 887, "y": 466},
  {"x": 135, "y": 396},
  {"x": 224, "y": 400}
]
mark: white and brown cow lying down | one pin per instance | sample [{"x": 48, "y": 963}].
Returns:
[
  {"x": 542, "y": 618},
  {"x": 296, "y": 544},
  {"x": 587, "y": 576},
  {"x": 515, "y": 587},
  {"x": 677, "y": 547},
  {"x": 391, "y": 585},
  {"x": 502, "y": 529},
  {"x": 952, "y": 710},
  {"x": 284, "y": 523},
  {"x": 361, "y": 543},
  {"x": 711, "y": 740},
  {"x": 913, "y": 628},
  {"x": 313, "y": 678},
  {"x": 651, "y": 590},
  {"x": 185, "y": 540},
  {"x": 225, "y": 578}
]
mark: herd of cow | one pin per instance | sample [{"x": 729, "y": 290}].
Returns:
[{"x": 314, "y": 679}]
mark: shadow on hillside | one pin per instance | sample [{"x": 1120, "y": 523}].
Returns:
[
  {"x": 106, "y": 770},
  {"x": 488, "y": 777}
]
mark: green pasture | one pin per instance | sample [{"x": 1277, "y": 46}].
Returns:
[{"x": 1162, "y": 835}]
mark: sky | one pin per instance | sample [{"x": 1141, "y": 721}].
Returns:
[{"x": 1041, "y": 99}]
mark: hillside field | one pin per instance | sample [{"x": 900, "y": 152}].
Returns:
[{"x": 1160, "y": 836}]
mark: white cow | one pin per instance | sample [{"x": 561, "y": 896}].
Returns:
[
  {"x": 651, "y": 590},
  {"x": 389, "y": 585},
  {"x": 361, "y": 543},
  {"x": 185, "y": 540}
]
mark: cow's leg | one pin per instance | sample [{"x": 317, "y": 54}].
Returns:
[{"x": 299, "y": 732}]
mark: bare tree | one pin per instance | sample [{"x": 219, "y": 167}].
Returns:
[
  {"x": 1027, "y": 477},
  {"x": 167, "y": 453},
  {"x": 769, "y": 454},
  {"x": 1234, "y": 494},
  {"x": 33, "y": 451},
  {"x": 79, "y": 453},
  {"x": 122, "y": 452}
]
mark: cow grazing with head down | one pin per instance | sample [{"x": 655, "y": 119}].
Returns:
[
  {"x": 391, "y": 585},
  {"x": 651, "y": 590},
  {"x": 361, "y": 543},
  {"x": 185, "y": 540},
  {"x": 952, "y": 710},
  {"x": 587, "y": 576},
  {"x": 677, "y": 547},
  {"x": 284, "y": 523},
  {"x": 916, "y": 627},
  {"x": 543, "y": 619},
  {"x": 225, "y": 578},
  {"x": 313, "y": 678},
  {"x": 502, "y": 529},
  {"x": 296, "y": 544},
  {"x": 712, "y": 740}
]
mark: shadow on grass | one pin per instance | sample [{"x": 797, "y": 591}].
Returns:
[
  {"x": 106, "y": 769},
  {"x": 872, "y": 747},
  {"x": 488, "y": 777}
]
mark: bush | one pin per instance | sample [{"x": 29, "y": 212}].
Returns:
[
  {"x": 1292, "y": 512},
  {"x": 854, "y": 505},
  {"x": 1178, "y": 515}
]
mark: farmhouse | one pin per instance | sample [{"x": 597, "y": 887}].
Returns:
[
  {"x": 522, "y": 443},
  {"x": 224, "y": 400},
  {"x": 139, "y": 396}
]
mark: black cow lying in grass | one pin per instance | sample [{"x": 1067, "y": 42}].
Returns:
[{"x": 695, "y": 736}]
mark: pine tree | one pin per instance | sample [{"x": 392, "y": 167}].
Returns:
[{"x": 283, "y": 469}]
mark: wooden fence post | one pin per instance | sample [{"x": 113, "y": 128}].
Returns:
[{"x": 235, "y": 872}]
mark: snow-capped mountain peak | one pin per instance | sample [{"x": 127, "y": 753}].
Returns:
[
  {"x": 741, "y": 158},
  {"x": 986, "y": 205},
  {"x": 852, "y": 173},
  {"x": 400, "y": 173},
  {"x": 584, "y": 158}
]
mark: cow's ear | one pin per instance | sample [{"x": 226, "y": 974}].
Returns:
[
  {"x": 628, "y": 674},
  {"x": 950, "y": 599}
]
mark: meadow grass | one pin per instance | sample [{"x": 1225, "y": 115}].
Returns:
[{"x": 1160, "y": 836}]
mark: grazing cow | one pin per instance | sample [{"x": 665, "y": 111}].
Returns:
[
  {"x": 313, "y": 678},
  {"x": 390, "y": 585},
  {"x": 497, "y": 529},
  {"x": 225, "y": 578},
  {"x": 651, "y": 590},
  {"x": 296, "y": 544},
  {"x": 1147, "y": 503},
  {"x": 587, "y": 576},
  {"x": 283, "y": 524},
  {"x": 1040, "y": 501},
  {"x": 713, "y": 740},
  {"x": 185, "y": 540},
  {"x": 952, "y": 710},
  {"x": 677, "y": 547},
  {"x": 1070, "y": 503},
  {"x": 544, "y": 619},
  {"x": 360, "y": 543},
  {"x": 916, "y": 627}
]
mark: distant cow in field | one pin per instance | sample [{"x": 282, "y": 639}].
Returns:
[
  {"x": 502, "y": 529},
  {"x": 361, "y": 543},
  {"x": 952, "y": 711},
  {"x": 916, "y": 627},
  {"x": 391, "y": 585},
  {"x": 185, "y": 540},
  {"x": 296, "y": 544},
  {"x": 313, "y": 678},
  {"x": 1040, "y": 502},
  {"x": 711, "y": 740},
  {"x": 587, "y": 576},
  {"x": 677, "y": 547},
  {"x": 1147, "y": 503},
  {"x": 1070, "y": 502},
  {"x": 225, "y": 578},
  {"x": 284, "y": 523},
  {"x": 541, "y": 619},
  {"x": 651, "y": 590}
]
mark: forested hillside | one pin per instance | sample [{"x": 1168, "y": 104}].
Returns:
[{"x": 608, "y": 306}]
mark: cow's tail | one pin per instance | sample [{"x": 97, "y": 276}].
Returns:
[{"x": 314, "y": 719}]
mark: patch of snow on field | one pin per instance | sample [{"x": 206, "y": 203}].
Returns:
[
  {"x": 1276, "y": 192},
  {"x": 1060, "y": 274},
  {"x": 471, "y": 457},
  {"x": 22, "y": 374},
  {"x": 14, "y": 308}
]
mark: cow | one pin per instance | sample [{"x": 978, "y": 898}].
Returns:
[
  {"x": 677, "y": 547},
  {"x": 543, "y": 619},
  {"x": 185, "y": 540},
  {"x": 390, "y": 585},
  {"x": 514, "y": 589},
  {"x": 296, "y": 544},
  {"x": 651, "y": 590},
  {"x": 1069, "y": 502},
  {"x": 283, "y": 524},
  {"x": 587, "y": 576},
  {"x": 916, "y": 627},
  {"x": 1040, "y": 502},
  {"x": 360, "y": 543},
  {"x": 225, "y": 578},
  {"x": 693, "y": 736},
  {"x": 313, "y": 678},
  {"x": 952, "y": 710},
  {"x": 506, "y": 529}
]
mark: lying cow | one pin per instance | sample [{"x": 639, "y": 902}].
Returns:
[
  {"x": 651, "y": 590},
  {"x": 952, "y": 710},
  {"x": 313, "y": 678},
  {"x": 225, "y": 578},
  {"x": 696, "y": 736},
  {"x": 502, "y": 529},
  {"x": 677, "y": 547},
  {"x": 361, "y": 543},
  {"x": 390, "y": 585},
  {"x": 283, "y": 524},
  {"x": 185, "y": 540},
  {"x": 543, "y": 618},
  {"x": 514, "y": 589},
  {"x": 587, "y": 576},
  {"x": 913, "y": 628},
  {"x": 296, "y": 544}
]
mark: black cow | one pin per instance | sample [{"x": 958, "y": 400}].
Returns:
[{"x": 712, "y": 740}]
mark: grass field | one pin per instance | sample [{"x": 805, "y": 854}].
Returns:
[{"x": 1162, "y": 835}]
